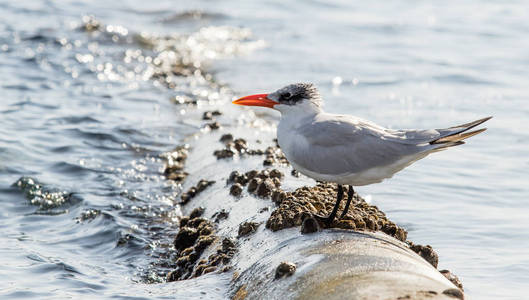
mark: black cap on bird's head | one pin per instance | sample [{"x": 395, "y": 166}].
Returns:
[
  {"x": 290, "y": 95},
  {"x": 294, "y": 93}
]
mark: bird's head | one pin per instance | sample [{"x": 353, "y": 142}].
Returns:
[{"x": 297, "y": 97}]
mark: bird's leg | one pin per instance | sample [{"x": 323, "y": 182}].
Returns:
[
  {"x": 350, "y": 194},
  {"x": 328, "y": 220}
]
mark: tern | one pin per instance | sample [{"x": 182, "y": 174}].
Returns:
[{"x": 344, "y": 149}]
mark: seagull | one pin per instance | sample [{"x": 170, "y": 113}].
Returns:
[{"x": 344, "y": 149}]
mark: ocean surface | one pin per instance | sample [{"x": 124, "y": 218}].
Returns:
[{"x": 87, "y": 108}]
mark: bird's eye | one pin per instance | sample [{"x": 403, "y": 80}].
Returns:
[{"x": 286, "y": 95}]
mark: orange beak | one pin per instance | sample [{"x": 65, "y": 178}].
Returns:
[{"x": 256, "y": 100}]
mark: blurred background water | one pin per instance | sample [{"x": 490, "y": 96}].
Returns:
[{"x": 84, "y": 118}]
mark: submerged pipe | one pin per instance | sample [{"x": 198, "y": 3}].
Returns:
[
  {"x": 344, "y": 265},
  {"x": 229, "y": 229}
]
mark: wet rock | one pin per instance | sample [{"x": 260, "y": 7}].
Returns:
[
  {"x": 208, "y": 115},
  {"x": 126, "y": 239},
  {"x": 294, "y": 173},
  {"x": 174, "y": 163},
  {"x": 453, "y": 278},
  {"x": 427, "y": 253},
  {"x": 263, "y": 174},
  {"x": 233, "y": 176},
  {"x": 293, "y": 206},
  {"x": 220, "y": 215},
  {"x": 274, "y": 156},
  {"x": 309, "y": 225},
  {"x": 361, "y": 225},
  {"x": 90, "y": 24},
  {"x": 196, "y": 222},
  {"x": 223, "y": 254},
  {"x": 194, "y": 236},
  {"x": 174, "y": 275},
  {"x": 275, "y": 173},
  {"x": 455, "y": 293},
  {"x": 253, "y": 184},
  {"x": 173, "y": 167},
  {"x": 209, "y": 270},
  {"x": 285, "y": 269},
  {"x": 241, "y": 293},
  {"x": 178, "y": 154},
  {"x": 251, "y": 174},
  {"x": 178, "y": 176},
  {"x": 236, "y": 177},
  {"x": 213, "y": 125},
  {"x": 205, "y": 230},
  {"x": 182, "y": 99},
  {"x": 424, "y": 294},
  {"x": 390, "y": 228},
  {"x": 240, "y": 145},
  {"x": 226, "y": 138},
  {"x": 346, "y": 224},
  {"x": 254, "y": 152},
  {"x": 431, "y": 292},
  {"x": 235, "y": 276},
  {"x": 287, "y": 215},
  {"x": 203, "y": 242},
  {"x": 224, "y": 153},
  {"x": 185, "y": 238},
  {"x": 235, "y": 146},
  {"x": 88, "y": 215},
  {"x": 197, "y": 212},
  {"x": 195, "y": 190},
  {"x": 185, "y": 197},
  {"x": 228, "y": 245},
  {"x": 265, "y": 188},
  {"x": 236, "y": 190},
  {"x": 184, "y": 220},
  {"x": 278, "y": 196},
  {"x": 268, "y": 161},
  {"x": 199, "y": 270},
  {"x": 247, "y": 228},
  {"x": 203, "y": 184}
]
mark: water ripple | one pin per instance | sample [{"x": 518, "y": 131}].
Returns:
[{"x": 463, "y": 79}]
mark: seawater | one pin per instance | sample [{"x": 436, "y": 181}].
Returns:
[{"x": 85, "y": 210}]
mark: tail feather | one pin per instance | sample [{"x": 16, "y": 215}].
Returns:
[
  {"x": 443, "y": 146},
  {"x": 457, "y": 137},
  {"x": 470, "y": 125},
  {"x": 455, "y": 133}
]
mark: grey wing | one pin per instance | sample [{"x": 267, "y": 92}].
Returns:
[
  {"x": 435, "y": 136},
  {"x": 341, "y": 144}
]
